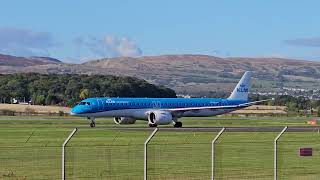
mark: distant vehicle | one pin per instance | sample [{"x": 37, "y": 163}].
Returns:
[
  {"x": 14, "y": 101},
  {"x": 161, "y": 111}
]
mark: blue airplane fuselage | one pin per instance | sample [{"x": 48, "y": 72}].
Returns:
[
  {"x": 110, "y": 106},
  {"x": 159, "y": 111}
]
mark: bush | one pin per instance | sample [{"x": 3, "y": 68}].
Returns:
[
  {"x": 7, "y": 112},
  {"x": 61, "y": 113}
]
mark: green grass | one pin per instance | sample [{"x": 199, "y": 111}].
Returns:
[
  {"x": 292, "y": 166},
  {"x": 106, "y": 154},
  {"x": 180, "y": 155},
  {"x": 31, "y": 153},
  {"x": 71, "y": 122},
  {"x": 245, "y": 155},
  {"x": 30, "y": 148}
]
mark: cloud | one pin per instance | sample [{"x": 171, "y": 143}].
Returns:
[
  {"x": 108, "y": 46},
  {"x": 24, "y": 42},
  {"x": 309, "y": 42}
]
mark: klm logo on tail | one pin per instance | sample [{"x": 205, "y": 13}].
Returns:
[{"x": 242, "y": 89}]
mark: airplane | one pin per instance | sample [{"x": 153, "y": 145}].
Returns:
[{"x": 162, "y": 111}]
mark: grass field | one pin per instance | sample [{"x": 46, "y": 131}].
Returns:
[{"x": 30, "y": 148}]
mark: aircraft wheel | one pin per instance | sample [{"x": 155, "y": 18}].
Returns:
[
  {"x": 153, "y": 125},
  {"x": 92, "y": 124},
  {"x": 177, "y": 124}
]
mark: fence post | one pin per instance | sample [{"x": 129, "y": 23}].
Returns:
[
  {"x": 275, "y": 163},
  {"x": 146, "y": 153},
  {"x": 212, "y": 151},
  {"x": 63, "y": 152}
]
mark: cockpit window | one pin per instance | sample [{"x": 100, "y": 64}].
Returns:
[{"x": 84, "y": 103}]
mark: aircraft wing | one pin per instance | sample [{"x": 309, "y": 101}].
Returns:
[
  {"x": 239, "y": 106},
  {"x": 255, "y": 102}
]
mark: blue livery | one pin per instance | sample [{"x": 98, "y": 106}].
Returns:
[{"x": 158, "y": 111}]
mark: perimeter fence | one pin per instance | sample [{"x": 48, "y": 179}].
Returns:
[{"x": 186, "y": 153}]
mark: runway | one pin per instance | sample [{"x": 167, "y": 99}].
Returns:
[{"x": 228, "y": 129}]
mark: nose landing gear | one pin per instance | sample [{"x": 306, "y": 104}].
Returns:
[
  {"x": 92, "y": 121},
  {"x": 153, "y": 125}
]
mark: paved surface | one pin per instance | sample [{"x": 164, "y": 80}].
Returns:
[{"x": 228, "y": 129}]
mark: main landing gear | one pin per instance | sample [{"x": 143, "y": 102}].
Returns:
[
  {"x": 177, "y": 124},
  {"x": 92, "y": 121}
]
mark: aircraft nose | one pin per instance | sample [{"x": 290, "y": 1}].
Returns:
[
  {"x": 72, "y": 113},
  {"x": 75, "y": 111},
  {"x": 79, "y": 110}
]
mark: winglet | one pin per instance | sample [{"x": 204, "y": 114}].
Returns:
[{"x": 241, "y": 91}]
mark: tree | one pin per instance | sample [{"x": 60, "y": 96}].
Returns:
[
  {"x": 40, "y": 100},
  {"x": 52, "y": 99},
  {"x": 69, "y": 89},
  {"x": 84, "y": 93}
]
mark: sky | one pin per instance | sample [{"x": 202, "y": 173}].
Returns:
[{"x": 76, "y": 31}]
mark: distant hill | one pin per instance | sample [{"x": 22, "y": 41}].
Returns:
[
  {"x": 193, "y": 74},
  {"x": 7, "y": 60},
  {"x": 201, "y": 74}
]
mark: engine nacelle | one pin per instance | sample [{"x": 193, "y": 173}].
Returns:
[
  {"x": 124, "y": 120},
  {"x": 160, "y": 117}
]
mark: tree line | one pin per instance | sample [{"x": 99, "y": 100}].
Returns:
[
  {"x": 298, "y": 105},
  {"x": 68, "y": 89}
]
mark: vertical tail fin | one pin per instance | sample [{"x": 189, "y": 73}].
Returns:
[{"x": 241, "y": 91}]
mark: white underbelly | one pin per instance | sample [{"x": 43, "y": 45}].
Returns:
[
  {"x": 134, "y": 113},
  {"x": 206, "y": 112}
]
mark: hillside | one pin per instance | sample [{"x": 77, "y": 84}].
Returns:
[
  {"x": 194, "y": 74},
  {"x": 202, "y": 74},
  {"x": 7, "y": 60}
]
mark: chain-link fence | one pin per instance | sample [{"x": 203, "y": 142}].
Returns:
[
  {"x": 291, "y": 165},
  {"x": 105, "y": 154},
  {"x": 180, "y": 155},
  {"x": 31, "y": 154},
  {"x": 244, "y": 155},
  {"x": 172, "y": 154}
]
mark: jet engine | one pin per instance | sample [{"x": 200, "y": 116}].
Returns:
[
  {"x": 159, "y": 117},
  {"x": 124, "y": 120}
]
